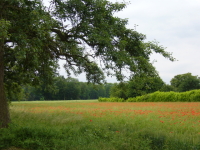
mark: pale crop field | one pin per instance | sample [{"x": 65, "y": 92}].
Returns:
[{"x": 85, "y": 125}]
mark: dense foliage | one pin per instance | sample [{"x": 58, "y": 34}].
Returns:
[
  {"x": 137, "y": 86},
  {"x": 65, "y": 89},
  {"x": 145, "y": 84},
  {"x": 189, "y": 96},
  {"x": 71, "y": 89},
  {"x": 185, "y": 82}
]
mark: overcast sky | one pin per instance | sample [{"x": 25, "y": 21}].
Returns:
[{"x": 173, "y": 23}]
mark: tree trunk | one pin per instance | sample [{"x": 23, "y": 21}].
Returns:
[{"x": 4, "y": 107}]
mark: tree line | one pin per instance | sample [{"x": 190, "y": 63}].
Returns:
[
  {"x": 71, "y": 89},
  {"x": 141, "y": 85},
  {"x": 63, "y": 89}
]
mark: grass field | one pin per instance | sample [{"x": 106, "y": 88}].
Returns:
[{"x": 93, "y": 125}]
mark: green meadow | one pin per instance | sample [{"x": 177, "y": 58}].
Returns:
[{"x": 93, "y": 125}]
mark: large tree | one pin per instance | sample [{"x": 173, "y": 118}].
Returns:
[{"x": 33, "y": 38}]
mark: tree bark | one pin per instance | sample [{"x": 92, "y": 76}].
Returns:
[{"x": 4, "y": 107}]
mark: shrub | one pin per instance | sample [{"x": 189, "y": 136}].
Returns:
[
  {"x": 112, "y": 99},
  {"x": 189, "y": 96}
]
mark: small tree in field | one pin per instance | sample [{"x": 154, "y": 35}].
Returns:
[{"x": 33, "y": 38}]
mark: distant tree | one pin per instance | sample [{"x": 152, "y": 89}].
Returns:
[
  {"x": 167, "y": 88},
  {"x": 145, "y": 83},
  {"x": 67, "y": 88},
  {"x": 33, "y": 38},
  {"x": 140, "y": 85},
  {"x": 84, "y": 93},
  {"x": 32, "y": 93},
  {"x": 101, "y": 91},
  {"x": 119, "y": 90},
  {"x": 64, "y": 89},
  {"x": 61, "y": 85},
  {"x": 72, "y": 89},
  {"x": 185, "y": 82},
  {"x": 108, "y": 87}
]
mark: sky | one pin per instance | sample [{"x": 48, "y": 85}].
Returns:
[{"x": 175, "y": 24}]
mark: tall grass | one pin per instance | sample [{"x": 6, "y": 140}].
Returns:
[{"x": 111, "y": 126}]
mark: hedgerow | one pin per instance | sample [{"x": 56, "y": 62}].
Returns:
[
  {"x": 188, "y": 96},
  {"x": 112, "y": 99}
]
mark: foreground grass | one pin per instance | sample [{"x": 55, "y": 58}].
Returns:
[{"x": 90, "y": 125}]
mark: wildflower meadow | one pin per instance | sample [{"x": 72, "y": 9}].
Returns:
[{"x": 93, "y": 125}]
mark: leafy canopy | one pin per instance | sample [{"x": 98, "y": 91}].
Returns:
[
  {"x": 185, "y": 82},
  {"x": 85, "y": 33},
  {"x": 138, "y": 85}
]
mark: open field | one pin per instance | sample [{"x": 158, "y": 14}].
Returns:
[{"x": 93, "y": 125}]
